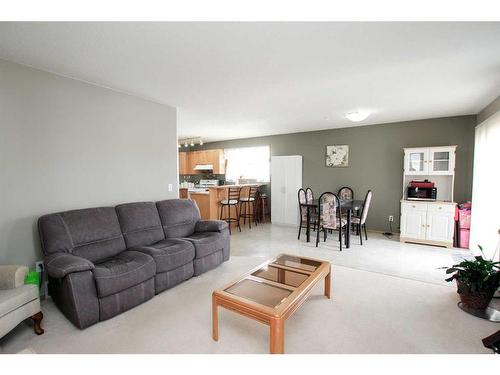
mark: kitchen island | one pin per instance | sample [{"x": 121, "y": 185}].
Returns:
[
  {"x": 202, "y": 201},
  {"x": 209, "y": 201}
]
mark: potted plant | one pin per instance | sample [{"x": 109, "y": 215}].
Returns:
[{"x": 477, "y": 280}]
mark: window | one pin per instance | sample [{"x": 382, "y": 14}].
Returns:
[
  {"x": 247, "y": 163},
  {"x": 485, "y": 203}
]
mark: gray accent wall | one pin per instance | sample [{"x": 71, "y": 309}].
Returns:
[
  {"x": 489, "y": 110},
  {"x": 66, "y": 144},
  {"x": 375, "y": 158}
]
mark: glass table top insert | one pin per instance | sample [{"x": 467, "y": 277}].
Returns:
[{"x": 271, "y": 284}]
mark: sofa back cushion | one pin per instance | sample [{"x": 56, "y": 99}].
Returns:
[
  {"x": 178, "y": 217},
  {"x": 140, "y": 223},
  {"x": 90, "y": 233}
]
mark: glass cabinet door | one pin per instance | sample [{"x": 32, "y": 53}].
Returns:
[
  {"x": 442, "y": 161},
  {"x": 416, "y": 162}
]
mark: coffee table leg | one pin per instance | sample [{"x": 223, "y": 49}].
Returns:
[
  {"x": 215, "y": 319},
  {"x": 327, "y": 284},
  {"x": 277, "y": 336}
]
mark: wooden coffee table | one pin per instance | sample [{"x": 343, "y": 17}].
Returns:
[{"x": 271, "y": 293}]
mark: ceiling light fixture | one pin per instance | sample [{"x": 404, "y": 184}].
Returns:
[
  {"x": 190, "y": 142},
  {"x": 357, "y": 116}
]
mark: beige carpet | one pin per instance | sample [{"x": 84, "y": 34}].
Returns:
[{"x": 368, "y": 313}]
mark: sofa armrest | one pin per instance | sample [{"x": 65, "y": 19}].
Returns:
[
  {"x": 60, "y": 264},
  {"x": 210, "y": 226},
  {"x": 12, "y": 276}
]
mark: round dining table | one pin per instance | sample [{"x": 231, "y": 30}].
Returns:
[{"x": 347, "y": 206}]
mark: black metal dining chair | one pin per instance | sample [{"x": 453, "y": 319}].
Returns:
[
  {"x": 360, "y": 222},
  {"x": 345, "y": 193},
  {"x": 313, "y": 212},
  {"x": 302, "y": 198},
  {"x": 309, "y": 195},
  {"x": 330, "y": 217}
]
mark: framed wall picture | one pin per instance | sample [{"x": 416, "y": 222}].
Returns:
[{"x": 337, "y": 156}]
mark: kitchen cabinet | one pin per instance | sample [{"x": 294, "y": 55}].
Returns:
[
  {"x": 441, "y": 160},
  {"x": 183, "y": 163},
  {"x": 416, "y": 161},
  {"x": 440, "y": 223},
  {"x": 286, "y": 180},
  {"x": 428, "y": 222},
  {"x": 430, "y": 161},
  {"x": 413, "y": 220},
  {"x": 191, "y": 159},
  {"x": 202, "y": 200}
]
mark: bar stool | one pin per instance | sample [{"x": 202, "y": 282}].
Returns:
[
  {"x": 233, "y": 199},
  {"x": 262, "y": 207},
  {"x": 248, "y": 206}
]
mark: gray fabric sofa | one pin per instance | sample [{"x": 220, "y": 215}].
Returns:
[{"x": 104, "y": 261}]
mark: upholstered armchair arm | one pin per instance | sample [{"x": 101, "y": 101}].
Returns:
[
  {"x": 12, "y": 276},
  {"x": 59, "y": 265},
  {"x": 211, "y": 226}
]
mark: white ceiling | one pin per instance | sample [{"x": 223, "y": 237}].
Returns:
[{"x": 234, "y": 80}]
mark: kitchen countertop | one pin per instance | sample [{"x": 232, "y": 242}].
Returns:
[
  {"x": 236, "y": 185},
  {"x": 199, "y": 192}
]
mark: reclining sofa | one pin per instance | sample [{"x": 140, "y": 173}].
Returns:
[{"x": 104, "y": 261}]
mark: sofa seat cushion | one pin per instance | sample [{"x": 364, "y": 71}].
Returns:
[
  {"x": 206, "y": 243},
  {"x": 12, "y": 299},
  {"x": 169, "y": 254},
  {"x": 123, "y": 271}
]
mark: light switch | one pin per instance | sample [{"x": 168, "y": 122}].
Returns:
[{"x": 170, "y": 187}]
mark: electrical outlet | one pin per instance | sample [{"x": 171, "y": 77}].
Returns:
[
  {"x": 170, "y": 187},
  {"x": 391, "y": 218},
  {"x": 39, "y": 266}
]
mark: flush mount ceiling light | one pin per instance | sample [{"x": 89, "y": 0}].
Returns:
[{"x": 357, "y": 116}]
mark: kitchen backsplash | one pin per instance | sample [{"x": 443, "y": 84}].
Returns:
[{"x": 196, "y": 178}]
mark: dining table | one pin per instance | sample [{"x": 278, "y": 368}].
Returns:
[{"x": 346, "y": 205}]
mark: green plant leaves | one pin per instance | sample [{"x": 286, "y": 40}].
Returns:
[{"x": 476, "y": 275}]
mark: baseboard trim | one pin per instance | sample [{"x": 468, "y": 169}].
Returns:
[{"x": 448, "y": 245}]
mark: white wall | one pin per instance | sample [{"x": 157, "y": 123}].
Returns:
[{"x": 65, "y": 144}]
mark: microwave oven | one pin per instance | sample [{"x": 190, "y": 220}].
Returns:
[{"x": 421, "y": 193}]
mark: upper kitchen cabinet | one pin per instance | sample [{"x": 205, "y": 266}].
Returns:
[
  {"x": 442, "y": 160},
  {"x": 183, "y": 163},
  {"x": 200, "y": 162},
  {"x": 430, "y": 161}
]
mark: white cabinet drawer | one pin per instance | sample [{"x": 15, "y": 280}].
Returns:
[
  {"x": 413, "y": 206},
  {"x": 436, "y": 207}
]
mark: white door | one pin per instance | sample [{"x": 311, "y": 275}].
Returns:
[
  {"x": 413, "y": 220},
  {"x": 439, "y": 225},
  {"x": 417, "y": 161},
  {"x": 441, "y": 160},
  {"x": 286, "y": 180}
]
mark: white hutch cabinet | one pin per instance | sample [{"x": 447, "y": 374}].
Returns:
[{"x": 429, "y": 221}]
